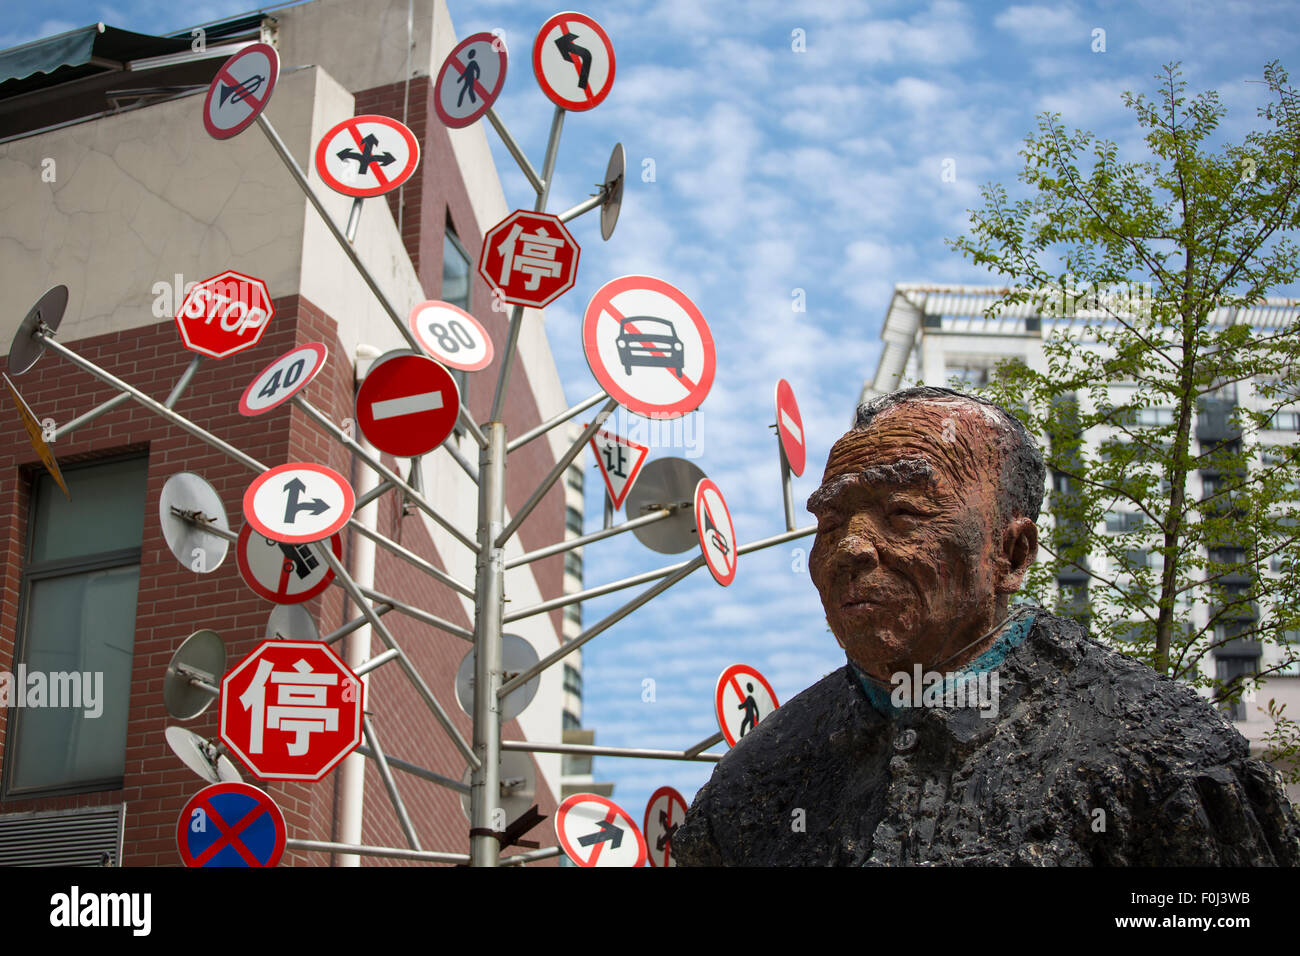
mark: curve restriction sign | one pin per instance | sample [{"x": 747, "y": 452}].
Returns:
[
  {"x": 663, "y": 815},
  {"x": 240, "y": 90},
  {"x": 743, "y": 698},
  {"x": 573, "y": 60},
  {"x": 789, "y": 428},
  {"x": 595, "y": 831},
  {"x": 407, "y": 405},
  {"x": 649, "y": 347},
  {"x": 283, "y": 573},
  {"x": 716, "y": 533},
  {"x": 283, "y": 379},
  {"x": 367, "y": 156},
  {"x": 298, "y": 503},
  {"x": 452, "y": 336},
  {"x": 230, "y": 824},
  {"x": 470, "y": 80}
]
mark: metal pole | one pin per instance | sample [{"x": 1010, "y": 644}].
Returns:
[
  {"x": 373, "y": 493},
  {"x": 91, "y": 415},
  {"x": 485, "y": 782},
  {"x": 417, "y": 771},
  {"x": 352, "y": 625},
  {"x": 592, "y": 751},
  {"x": 432, "y": 620},
  {"x": 183, "y": 382},
  {"x": 507, "y": 360},
  {"x": 354, "y": 219},
  {"x": 389, "y": 783},
  {"x": 787, "y": 487},
  {"x": 459, "y": 459},
  {"x": 548, "y": 162},
  {"x": 564, "y": 650},
  {"x": 412, "y": 558},
  {"x": 544, "y": 853},
  {"x": 586, "y": 205},
  {"x": 373, "y": 663},
  {"x": 427, "y": 856},
  {"x": 571, "y": 543},
  {"x": 704, "y": 745},
  {"x": 524, "y": 165},
  {"x": 559, "y": 419},
  {"x": 574, "y": 450}
]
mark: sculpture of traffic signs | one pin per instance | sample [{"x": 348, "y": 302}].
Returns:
[
  {"x": 224, "y": 314},
  {"x": 530, "y": 257}
]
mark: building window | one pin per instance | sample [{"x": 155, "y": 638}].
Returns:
[
  {"x": 573, "y": 520},
  {"x": 572, "y": 680},
  {"x": 1118, "y": 522},
  {"x": 1230, "y": 669},
  {"x": 573, "y": 614},
  {"x": 570, "y": 722},
  {"x": 76, "y": 630},
  {"x": 573, "y": 564},
  {"x": 456, "y": 286},
  {"x": 574, "y": 479},
  {"x": 1286, "y": 422}
]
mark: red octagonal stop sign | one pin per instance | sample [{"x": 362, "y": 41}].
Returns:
[
  {"x": 291, "y": 710},
  {"x": 530, "y": 257},
  {"x": 225, "y": 314}
]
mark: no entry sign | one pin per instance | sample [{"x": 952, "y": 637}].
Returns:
[
  {"x": 743, "y": 697},
  {"x": 716, "y": 533},
  {"x": 298, "y": 503},
  {"x": 407, "y": 405},
  {"x": 240, "y": 90},
  {"x": 282, "y": 379},
  {"x": 452, "y": 335},
  {"x": 789, "y": 428},
  {"x": 291, "y": 710},
  {"x": 620, "y": 461},
  {"x": 573, "y": 60},
  {"x": 367, "y": 156},
  {"x": 663, "y": 815},
  {"x": 283, "y": 573},
  {"x": 230, "y": 824},
  {"x": 530, "y": 257},
  {"x": 224, "y": 314},
  {"x": 594, "y": 831},
  {"x": 649, "y": 347},
  {"x": 470, "y": 80}
]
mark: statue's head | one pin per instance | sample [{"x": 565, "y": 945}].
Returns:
[{"x": 925, "y": 526}]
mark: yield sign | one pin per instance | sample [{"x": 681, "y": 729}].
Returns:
[
  {"x": 594, "y": 831},
  {"x": 470, "y": 80},
  {"x": 789, "y": 428},
  {"x": 649, "y": 347},
  {"x": 573, "y": 60},
  {"x": 663, "y": 815},
  {"x": 298, "y": 503},
  {"x": 283, "y": 573},
  {"x": 407, "y": 405},
  {"x": 620, "y": 461},
  {"x": 530, "y": 257},
  {"x": 743, "y": 697},
  {"x": 717, "y": 536},
  {"x": 291, "y": 710},
  {"x": 240, "y": 90},
  {"x": 230, "y": 824},
  {"x": 367, "y": 156}
]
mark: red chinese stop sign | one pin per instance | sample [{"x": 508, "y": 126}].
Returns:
[
  {"x": 530, "y": 257},
  {"x": 291, "y": 710},
  {"x": 225, "y": 314}
]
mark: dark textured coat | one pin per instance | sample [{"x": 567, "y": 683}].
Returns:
[{"x": 1080, "y": 728}]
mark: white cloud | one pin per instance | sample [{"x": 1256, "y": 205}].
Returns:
[{"x": 1043, "y": 26}]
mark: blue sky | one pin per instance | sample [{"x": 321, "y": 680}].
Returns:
[{"x": 794, "y": 146}]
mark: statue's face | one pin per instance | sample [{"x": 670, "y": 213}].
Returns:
[{"x": 905, "y": 557}]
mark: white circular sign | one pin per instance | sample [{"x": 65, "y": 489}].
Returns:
[
  {"x": 517, "y": 656},
  {"x": 716, "y": 533},
  {"x": 470, "y": 80},
  {"x": 452, "y": 336},
  {"x": 742, "y": 698},
  {"x": 283, "y": 378},
  {"x": 240, "y": 90},
  {"x": 298, "y": 503},
  {"x": 595, "y": 831},
  {"x": 663, "y": 815},
  {"x": 367, "y": 156},
  {"x": 649, "y": 347},
  {"x": 283, "y": 573},
  {"x": 573, "y": 60}
]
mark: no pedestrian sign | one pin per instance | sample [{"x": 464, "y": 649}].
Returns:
[
  {"x": 573, "y": 60},
  {"x": 743, "y": 698},
  {"x": 649, "y": 347},
  {"x": 367, "y": 156},
  {"x": 470, "y": 80},
  {"x": 230, "y": 824}
]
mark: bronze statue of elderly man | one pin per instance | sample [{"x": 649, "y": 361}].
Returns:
[{"x": 962, "y": 730}]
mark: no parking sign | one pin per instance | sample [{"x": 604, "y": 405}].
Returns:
[{"x": 230, "y": 824}]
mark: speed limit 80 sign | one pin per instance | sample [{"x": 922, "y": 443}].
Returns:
[{"x": 452, "y": 336}]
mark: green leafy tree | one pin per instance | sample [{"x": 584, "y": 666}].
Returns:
[{"x": 1165, "y": 380}]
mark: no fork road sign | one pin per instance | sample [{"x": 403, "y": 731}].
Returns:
[{"x": 367, "y": 156}]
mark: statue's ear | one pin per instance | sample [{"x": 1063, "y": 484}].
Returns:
[{"x": 1019, "y": 549}]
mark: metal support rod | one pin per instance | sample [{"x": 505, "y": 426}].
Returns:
[
  {"x": 704, "y": 745},
  {"x": 91, "y": 415},
  {"x": 415, "y": 497},
  {"x": 377, "y": 661},
  {"x": 192, "y": 678},
  {"x": 417, "y": 771},
  {"x": 345, "y": 579},
  {"x": 354, "y": 219},
  {"x": 787, "y": 488},
  {"x": 301, "y": 179},
  {"x": 608, "y": 511},
  {"x": 571, "y": 543},
  {"x": 396, "y": 853},
  {"x": 352, "y": 625},
  {"x": 202, "y": 524},
  {"x": 389, "y": 783},
  {"x": 548, "y": 161},
  {"x": 602, "y": 589},
  {"x": 183, "y": 382},
  {"x": 432, "y": 620},
  {"x": 545, "y": 853},
  {"x": 410, "y": 557},
  {"x": 507, "y": 361},
  {"x": 463, "y": 418},
  {"x": 375, "y": 492},
  {"x": 485, "y": 781},
  {"x": 595, "y": 202},
  {"x": 459, "y": 459},
  {"x": 574, "y": 450},
  {"x": 513, "y": 148},
  {"x": 608, "y": 621},
  {"x": 594, "y": 751},
  {"x": 559, "y": 419}
]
